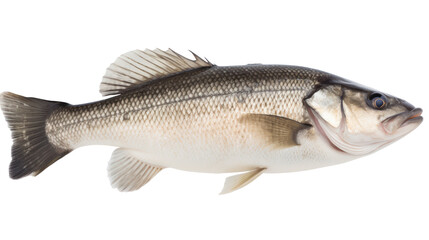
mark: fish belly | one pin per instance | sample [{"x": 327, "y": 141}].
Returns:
[{"x": 217, "y": 155}]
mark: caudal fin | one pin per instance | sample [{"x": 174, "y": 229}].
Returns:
[{"x": 31, "y": 150}]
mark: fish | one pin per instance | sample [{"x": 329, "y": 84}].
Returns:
[{"x": 165, "y": 110}]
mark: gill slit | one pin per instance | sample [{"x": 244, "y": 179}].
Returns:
[
  {"x": 343, "y": 114},
  {"x": 316, "y": 122}
]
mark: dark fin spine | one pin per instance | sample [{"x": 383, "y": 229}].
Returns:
[{"x": 31, "y": 150}]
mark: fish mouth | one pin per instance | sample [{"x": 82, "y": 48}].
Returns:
[
  {"x": 394, "y": 127},
  {"x": 406, "y": 120}
]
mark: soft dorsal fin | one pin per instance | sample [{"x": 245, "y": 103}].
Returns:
[
  {"x": 136, "y": 67},
  {"x": 127, "y": 172}
]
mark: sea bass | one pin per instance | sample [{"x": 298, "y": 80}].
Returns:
[{"x": 168, "y": 111}]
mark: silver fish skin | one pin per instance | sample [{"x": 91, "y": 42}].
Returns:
[{"x": 171, "y": 112}]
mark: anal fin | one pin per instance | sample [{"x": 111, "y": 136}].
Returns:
[
  {"x": 129, "y": 173},
  {"x": 238, "y": 181}
]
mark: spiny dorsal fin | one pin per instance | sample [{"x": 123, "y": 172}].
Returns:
[
  {"x": 274, "y": 131},
  {"x": 238, "y": 181},
  {"x": 129, "y": 173},
  {"x": 136, "y": 67}
]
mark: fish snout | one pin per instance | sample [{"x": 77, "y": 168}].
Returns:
[
  {"x": 408, "y": 120},
  {"x": 407, "y": 105}
]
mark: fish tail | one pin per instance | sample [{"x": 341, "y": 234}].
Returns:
[{"x": 31, "y": 150}]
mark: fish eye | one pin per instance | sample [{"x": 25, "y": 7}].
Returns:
[{"x": 377, "y": 101}]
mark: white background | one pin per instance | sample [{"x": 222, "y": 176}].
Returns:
[{"x": 60, "y": 51}]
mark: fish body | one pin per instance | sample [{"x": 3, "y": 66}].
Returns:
[
  {"x": 192, "y": 121},
  {"x": 172, "y": 112}
]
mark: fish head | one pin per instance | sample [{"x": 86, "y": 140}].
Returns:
[{"x": 358, "y": 120}]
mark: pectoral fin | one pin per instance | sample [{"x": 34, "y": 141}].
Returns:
[
  {"x": 238, "y": 181},
  {"x": 129, "y": 173},
  {"x": 275, "y": 131}
]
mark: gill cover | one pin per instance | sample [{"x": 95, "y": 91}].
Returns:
[{"x": 332, "y": 111}]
